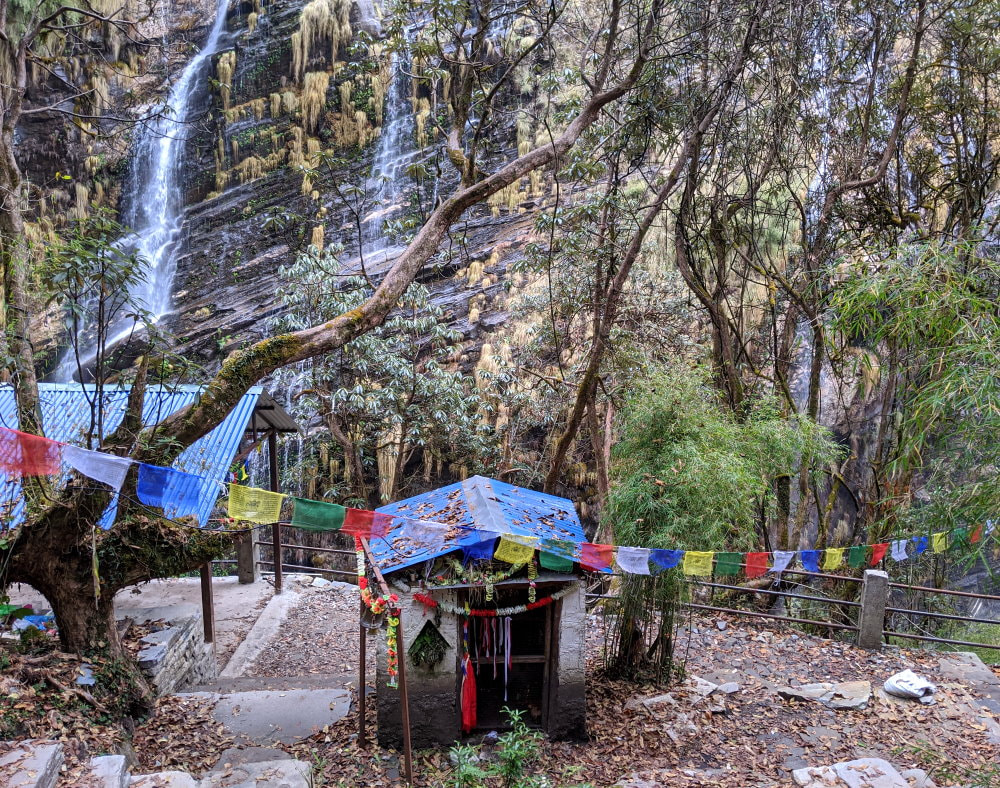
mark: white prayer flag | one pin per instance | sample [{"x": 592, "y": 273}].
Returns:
[
  {"x": 782, "y": 558},
  {"x": 106, "y": 468},
  {"x": 634, "y": 560},
  {"x": 899, "y": 549},
  {"x": 430, "y": 536}
]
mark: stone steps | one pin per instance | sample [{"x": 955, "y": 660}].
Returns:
[
  {"x": 36, "y": 764},
  {"x": 226, "y": 685}
]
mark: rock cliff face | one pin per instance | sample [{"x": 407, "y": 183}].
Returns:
[{"x": 279, "y": 130}]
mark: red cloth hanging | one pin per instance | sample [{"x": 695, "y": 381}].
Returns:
[
  {"x": 365, "y": 524},
  {"x": 22, "y": 454},
  {"x": 977, "y": 534},
  {"x": 878, "y": 552},
  {"x": 756, "y": 564},
  {"x": 596, "y": 557},
  {"x": 468, "y": 696}
]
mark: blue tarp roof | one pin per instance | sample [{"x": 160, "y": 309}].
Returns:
[
  {"x": 66, "y": 416},
  {"x": 481, "y": 503}
]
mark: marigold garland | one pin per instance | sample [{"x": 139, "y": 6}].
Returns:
[
  {"x": 378, "y": 605},
  {"x": 513, "y": 610}
]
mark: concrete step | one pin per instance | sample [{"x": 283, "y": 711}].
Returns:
[
  {"x": 265, "y": 774},
  {"x": 33, "y": 763},
  {"x": 109, "y": 771},
  {"x": 283, "y": 715},
  {"x": 224, "y": 685}
]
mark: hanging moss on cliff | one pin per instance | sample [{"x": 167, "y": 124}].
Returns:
[{"x": 321, "y": 22}]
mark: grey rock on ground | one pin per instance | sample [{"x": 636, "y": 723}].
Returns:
[
  {"x": 861, "y": 773},
  {"x": 31, "y": 764},
  {"x": 110, "y": 771},
  {"x": 835, "y": 695}
]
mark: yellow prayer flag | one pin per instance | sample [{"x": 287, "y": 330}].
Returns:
[
  {"x": 698, "y": 562},
  {"x": 254, "y": 505},
  {"x": 939, "y": 542},
  {"x": 832, "y": 558},
  {"x": 515, "y": 553}
]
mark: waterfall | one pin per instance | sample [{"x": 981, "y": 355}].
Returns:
[
  {"x": 154, "y": 206},
  {"x": 395, "y": 151}
]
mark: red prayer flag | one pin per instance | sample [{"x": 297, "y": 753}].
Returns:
[
  {"x": 878, "y": 552},
  {"x": 381, "y": 524},
  {"x": 977, "y": 534},
  {"x": 756, "y": 564},
  {"x": 22, "y": 454},
  {"x": 358, "y": 522},
  {"x": 595, "y": 557}
]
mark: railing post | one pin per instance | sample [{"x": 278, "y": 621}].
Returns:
[
  {"x": 247, "y": 557},
  {"x": 272, "y": 469},
  {"x": 276, "y": 549},
  {"x": 207, "y": 602},
  {"x": 874, "y": 599}
]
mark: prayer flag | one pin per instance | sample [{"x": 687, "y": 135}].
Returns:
[
  {"x": 960, "y": 536},
  {"x": 898, "y": 551},
  {"x": 429, "y": 536},
  {"x": 756, "y": 564},
  {"x": 317, "y": 515},
  {"x": 989, "y": 527},
  {"x": 480, "y": 551},
  {"x": 939, "y": 542},
  {"x": 919, "y": 544},
  {"x": 857, "y": 556},
  {"x": 596, "y": 557},
  {"x": 782, "y": 560},
  {"x": 878, "y": 552},
  {"x": 254, "y": 505},
  {"x": 634, "y": 560},
  {"x": 23, "y": 454},
  {"x": 666, "y": 559},
  {"x": 728, "y": 564},
  {"x": 555, "y": 563},
  {"x": 557, "y": 555},
  {"x": 514, "y": 552},
  {"x": 698, "y": 562},
  {"x": 976, "y": 535},
  {"x": 833, "y": 557},
  {"x": 367, "y": 525},
  {"x": 810, "y": 560},
  {"x": 175, "y": 492},
  {"x": 106, "y": 468}
]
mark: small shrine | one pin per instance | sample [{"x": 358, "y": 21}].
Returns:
[{"x": 493, "y": 616}]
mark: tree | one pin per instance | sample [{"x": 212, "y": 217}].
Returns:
[
  {"x": 55, "y": 550},
  {"x": 387, "y": 394}
]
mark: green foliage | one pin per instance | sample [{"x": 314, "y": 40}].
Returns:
[
  {"x": 928, "y": 315},
  {"x": 508, "y": 766},
  {"x": 689, "y": 474},
  {"x": 393, "y": 390}
]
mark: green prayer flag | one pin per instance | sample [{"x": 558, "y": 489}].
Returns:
[
  {"x": 728, "y": 564},
  {"x": 317, "y": 516},
  {"x": 857, "y": 556},
  {"x": 555, "y": 563},
  {"x": 960, "y": 537},
  {"x": 560, "y": 558}
]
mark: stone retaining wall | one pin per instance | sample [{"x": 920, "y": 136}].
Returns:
[{"x": 177, "y": 656}]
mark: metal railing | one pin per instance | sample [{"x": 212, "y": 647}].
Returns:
[{"x": 876, "y": 598}]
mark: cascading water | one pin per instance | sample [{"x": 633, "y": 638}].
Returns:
[
  {"x": 395, "y": 152},
  {"x": 154, "y": 209}
]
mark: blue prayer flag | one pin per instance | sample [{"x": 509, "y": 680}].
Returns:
[
  {"x": 810, "y": 559},
  {"x": 665, "y": 559},
  {"x": 919, "y": 544},
  {"x": 176, "y": 492},
  {"x": 480, "y": 551}
]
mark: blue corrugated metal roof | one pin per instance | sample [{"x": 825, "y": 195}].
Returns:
[
  {"x": 66, "y": 414},
  {"x": 481, "y": 503}
]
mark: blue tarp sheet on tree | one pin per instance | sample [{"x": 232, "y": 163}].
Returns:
[
  {"x": 67, "y": 409},
  {"x": 481, "y": 503}
]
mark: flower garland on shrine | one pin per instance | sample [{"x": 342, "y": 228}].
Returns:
[
  {"x": 476, "y": 576},
  {"x": 378, "y": 605},
  {"x": 513, "y": 610}
]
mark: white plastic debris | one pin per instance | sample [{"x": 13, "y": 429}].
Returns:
[{"x": 907, "y": 684}]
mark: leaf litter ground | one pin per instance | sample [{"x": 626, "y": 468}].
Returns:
[{"x": 754, "y": 739}]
